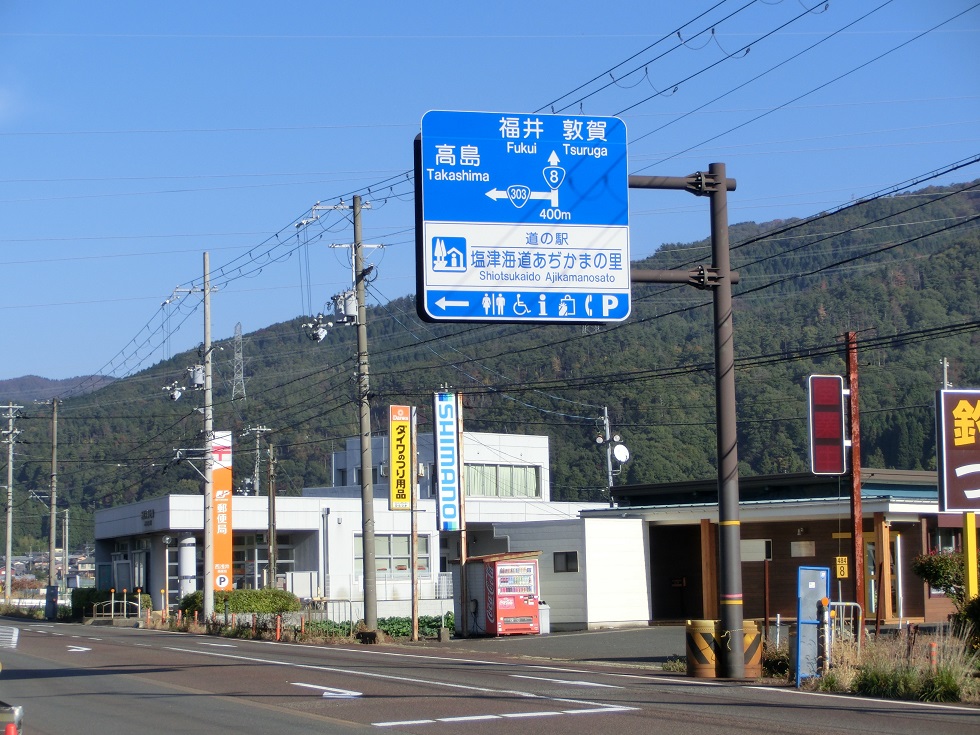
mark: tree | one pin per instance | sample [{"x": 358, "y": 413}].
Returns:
[{"x": 944, "y": 571}]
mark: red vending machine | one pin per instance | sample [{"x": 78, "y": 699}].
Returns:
[{"x": 511, "y": 596}]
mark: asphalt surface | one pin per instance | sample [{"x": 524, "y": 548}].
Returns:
[{"x": 647, "y": 646}]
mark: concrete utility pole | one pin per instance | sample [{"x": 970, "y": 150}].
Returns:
[
  {"x": 208, "y": 607},
  {"x": 11, "y": 438},
  {"x": 273, "y": 548},
  {"x": 719, "y": 278},
  {"x": 258, "y": 431},
  {"x": 370, "y": 571},
  {"x": 53, "y": 523}
]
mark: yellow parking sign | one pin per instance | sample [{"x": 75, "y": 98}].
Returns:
[{"x": 841, "y": 563}]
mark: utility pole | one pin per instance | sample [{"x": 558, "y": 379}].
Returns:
[
  {"x": 317, "y": 330},
  {"x": 11, "y": 438},
  {"x": 258, "y": 431},
  {"x": 857, "y": 515},
  {"x": 364, "y": 405},
  {"x": 608, "y": 434},
  {"x": 208, "y": 451},
  {"x": 273, "y": 568},
  {"x": 719, "y": 278},
  {"x": 64, "y": 544},
  {"x": 53, "y": 522}
]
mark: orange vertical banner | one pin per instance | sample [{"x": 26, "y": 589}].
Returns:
[{"x": 221, "y": 510}]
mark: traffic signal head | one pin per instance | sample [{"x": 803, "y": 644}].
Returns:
[{"x": 828, "y": 445}]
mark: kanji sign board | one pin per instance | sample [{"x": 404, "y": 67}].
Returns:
[
  {"x": 958, "y": 449},
  {"x": 522, "y": 217}
]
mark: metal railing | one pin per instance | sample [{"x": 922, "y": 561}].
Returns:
[
  {"x": 846, "y": 622},
  {"x": 117, "y": 609}
]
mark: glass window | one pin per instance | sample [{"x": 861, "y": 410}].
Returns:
[
  {"x": 393, "y": 555},
  {"x": 502, "y": 481},
  {"x": 566, "y": 561}
]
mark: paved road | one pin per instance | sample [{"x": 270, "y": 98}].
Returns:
[
  {"x": 83, "y": 680},
  {"x": 648, "y": 646}
]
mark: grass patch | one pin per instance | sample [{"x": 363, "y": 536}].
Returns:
[{"x": 905, "y": 667}]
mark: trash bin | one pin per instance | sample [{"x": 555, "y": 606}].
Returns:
[
  {"x": 702, "y": 648},
  {"x": 753, "y": 649},
  {"x": 544, "y": 618}
]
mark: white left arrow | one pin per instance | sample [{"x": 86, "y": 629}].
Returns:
[
  {"x": 444, "y": 303},
  {"x": 329, "y": 692},
  {"x": 77, "y": 649}
]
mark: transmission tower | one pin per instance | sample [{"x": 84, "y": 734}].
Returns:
[{"x": 238, "y": 386}]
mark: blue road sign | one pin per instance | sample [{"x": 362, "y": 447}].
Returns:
[{"x": 522, "y": 217}]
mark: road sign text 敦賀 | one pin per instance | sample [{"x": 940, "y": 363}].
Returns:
[{"x": 522, "y": 217}]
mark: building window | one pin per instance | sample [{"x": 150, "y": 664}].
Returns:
[
  {"x": 566, "y": 561},
  {"x": 339, "y": 477},
  {"x": 393, "y": 555},
  {"x": 944, "y": 539},
  {"x": 502, "y": 481},
  {"x": 357, "y": 475}
]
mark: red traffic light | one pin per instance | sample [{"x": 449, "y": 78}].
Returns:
[{"x": 828, "y": 446}]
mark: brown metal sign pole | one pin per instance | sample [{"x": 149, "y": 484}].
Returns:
[{"x": 716, "y": 186}]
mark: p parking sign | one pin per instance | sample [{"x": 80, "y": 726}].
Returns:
[{"x": 522, "y": 217}]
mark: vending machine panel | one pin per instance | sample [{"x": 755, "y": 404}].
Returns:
[{"x": 512, "y": 597}]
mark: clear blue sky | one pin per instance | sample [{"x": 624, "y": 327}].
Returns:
[{"x": 134, "y": 136}]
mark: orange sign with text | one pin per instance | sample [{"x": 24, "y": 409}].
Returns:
[{"x": 221, "y": 510}]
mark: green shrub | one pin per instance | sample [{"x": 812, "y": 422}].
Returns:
[
  {"x": 83, "y": 600},
  {"x": 944, "y": 571},
  {"x": 266, "y": 601},
  {"x": 328, "y": 628},
  {"x": 402, "y": 627},
  {"x": 943, "y": 686},
  {"x": 968, "y": 622}
]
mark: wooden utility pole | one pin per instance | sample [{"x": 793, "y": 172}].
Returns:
[{"x": 857, "y": 519}]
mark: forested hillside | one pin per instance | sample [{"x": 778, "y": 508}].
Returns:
[{"x": 900, "y": 271}]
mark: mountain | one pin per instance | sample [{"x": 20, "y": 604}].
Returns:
[
  {"x": 31, "y": 388},
  {"x": 900, "y": 271}
]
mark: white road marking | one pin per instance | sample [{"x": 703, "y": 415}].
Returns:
[
  {"x": 329, "y": 692},
  {"x": 601, "y": 710},
  {"x": 218, "y": 645},
  {"x": 598, "y": 707},
  {"x": 77, "y": 649},
  {"x": 566, "y": 681}
]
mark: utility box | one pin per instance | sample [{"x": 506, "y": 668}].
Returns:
[{"x": 51, "y": 602}]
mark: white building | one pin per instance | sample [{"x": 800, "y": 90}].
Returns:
[{"x": 156, "y": 545}]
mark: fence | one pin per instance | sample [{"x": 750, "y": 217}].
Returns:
[
  {"x": 846, "y": 622},
  {"x": 117, "y": 609}
]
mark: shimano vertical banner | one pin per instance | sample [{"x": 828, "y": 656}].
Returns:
[
  {"x": 447, "y": 478},
  {"x": 221, "y": 509},
  {"x": 400, "y": 457}
]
